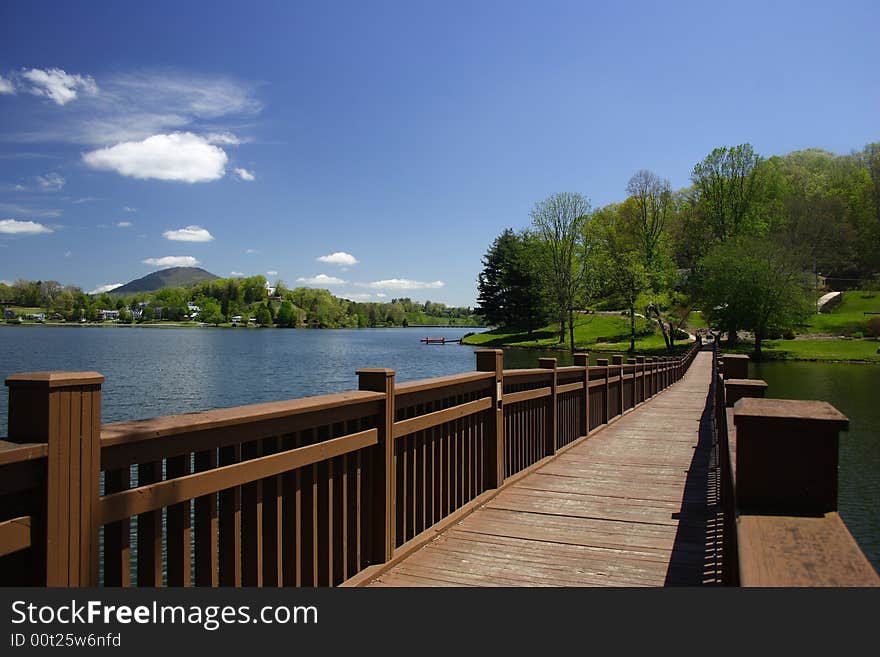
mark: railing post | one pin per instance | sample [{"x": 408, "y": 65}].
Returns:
[
  {"x": 632, "y": 361},
  {"x": 492, "y": 360},
  {"x": 735, "y": 366},
  {"x": 384, "y": 466},
  {"x": 550, "y": 364},
  {"x": 603, "y": 362},
  {"x": 583, "y": 360},
  {"x": 641, "y": 361},
  {"x": 786, "y": 455},
  {"x": 736, "y": 389},
  {"x": 617, "y": 359},
  {"x": 63, "y": 409}
]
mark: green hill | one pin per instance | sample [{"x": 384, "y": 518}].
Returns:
[{"x": 171, "y": 277}]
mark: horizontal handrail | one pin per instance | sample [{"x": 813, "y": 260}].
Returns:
[
  {"x": 526, "y": 395},
  {"x": 430, "y": 420},
  {"x": 15, "y": 535},
  {"x": 118, "y": 506}
]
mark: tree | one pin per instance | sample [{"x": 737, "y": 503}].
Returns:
[
  {"x": 727, "y": 186},
  {"x": 263, "y": 316},
  {"x": 509, "y": 285},
  {"x": 629, "y": 278},
  {"x": 652, "y": 201},
  {"x": 211, "y": 311},
  {"x": 754, "y": 284},
  {"x": 286, "y": 315},
  {"x": 559, "y": 221}
]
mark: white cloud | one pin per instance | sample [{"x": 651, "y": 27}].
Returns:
[
  {"x": 124, "y": 224},
  {"x": 236, "y": 274},
  {"x": 13, "y": 208},
  {"x": 271, "y": 272},
  {"x": 251, "y": 251},
  {"x": 6, "y": 86},
  {"x": 67, "y": 254},
  {"x": 381, "y": 295},
  {"x": 362, "y": 296},
  {"x": 188, "y": 234},
  {"x": 244, "y": 174},
  {"x": 321, "y": 279},
  {"x": 106, "y": 288},
  {"x": 338, "y": 258},
  {"x": 20, "y": 188},
  {"x": 172, "y": 261},
  {"x": 51, "y": 182},
  {"x": 58, "y": 85},
  {"x": 225, "y": 138},
  {"x": 15, "y": 227},
  {"x": 128, "y": 209},
  {"x": 180, "y": 156},
  {"x": 403, "y": 284}
]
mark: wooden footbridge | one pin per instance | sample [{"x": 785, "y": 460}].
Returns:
[{"x": 620, "y": 473}]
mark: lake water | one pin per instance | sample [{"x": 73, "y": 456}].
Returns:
[
  {"x": 854, "y": 389},
  {"x": 162, "y": 371}
]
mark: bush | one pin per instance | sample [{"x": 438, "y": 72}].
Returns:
[
  {"x": 872, "y": 327},
  {"x": 858, "y": 334},
  {"x": 680, "y": 335},
  {"x": 789, "y": 334}
]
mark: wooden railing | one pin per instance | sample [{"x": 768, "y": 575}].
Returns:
[
  {"x": 778, "y": 460},
  {"x": 318, "y": 491}
]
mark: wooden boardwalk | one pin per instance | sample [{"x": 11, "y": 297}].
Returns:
[{"x": 634, "y": 504}]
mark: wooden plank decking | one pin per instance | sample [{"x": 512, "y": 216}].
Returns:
[{"x": 634, "y": 504}]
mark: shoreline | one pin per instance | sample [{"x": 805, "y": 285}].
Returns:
[{"x": 190, "y": 325}]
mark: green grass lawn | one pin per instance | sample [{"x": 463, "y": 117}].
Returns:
[
  {"x": 593, "y": 332},
  {"x": 828, "y": 350},
  {"x": 847, "y": 318}
]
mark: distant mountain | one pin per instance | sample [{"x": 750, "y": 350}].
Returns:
[{"x": 171, "y": 277}]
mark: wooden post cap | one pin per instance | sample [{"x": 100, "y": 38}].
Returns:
[
  {"x": 547, "y": 363},
  {"x": 617, "y": 359},
  {"x": 55, "y": 379},
  {"x": 736, "y": 389},
  {"x": 790, "y": 411},
  {"x": 581, "y": 359},
  {"x": 735, "y": 366},
  {"x": 787, "y": 455},
  {"x": 630, "y": 361},
  {"x": 602, "y": 362}
]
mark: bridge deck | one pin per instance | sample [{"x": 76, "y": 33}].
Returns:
[{"x": 634, "y": 504}]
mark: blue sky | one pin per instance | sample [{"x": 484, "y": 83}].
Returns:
[{"x": 259, "y": 137}]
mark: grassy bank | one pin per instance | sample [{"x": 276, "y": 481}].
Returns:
[
  {"x": 591, "y": 332},
  {"x": 848, "y": 318},
  {"x": 854, "y": 350}
]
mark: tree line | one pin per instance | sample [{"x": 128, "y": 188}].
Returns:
[
  {"x": 749, "y": 243},
  {"x": 219, "y": 301}
]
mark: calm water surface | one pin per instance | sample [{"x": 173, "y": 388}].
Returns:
[
  {"x": 854, "y": 390},
  {"x": 162, "y": 371}
]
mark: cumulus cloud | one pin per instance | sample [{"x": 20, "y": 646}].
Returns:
[
  {"x": 271, "y": 272},
  {"x": 188, "y": 234},
  {"x": 236, "y": 274},
  {"x": 172, "y": 261},
  {"x": 16, "y": 227},
  {"x": 58, "y": 85},
  {"x": 6, "y": 86},
  {"x": 106, "y": 288},
  {"x": 338, "y": 258},
  {"x": 51, "y": 182},
  {"x": 403, "y": 284},
  {"x": 124, "y": 224},
  {"x": 321, "y": 279},
  {"x": 244, "y": 174},
  {"x": 180, "y": 156}
]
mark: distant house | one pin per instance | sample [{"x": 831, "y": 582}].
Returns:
[
  {"x": 193, "y": 308},
  {"x": 236, "y": 320},
  {"x": 38, "y": 317},
  {"x": 103, "y": 315}
]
